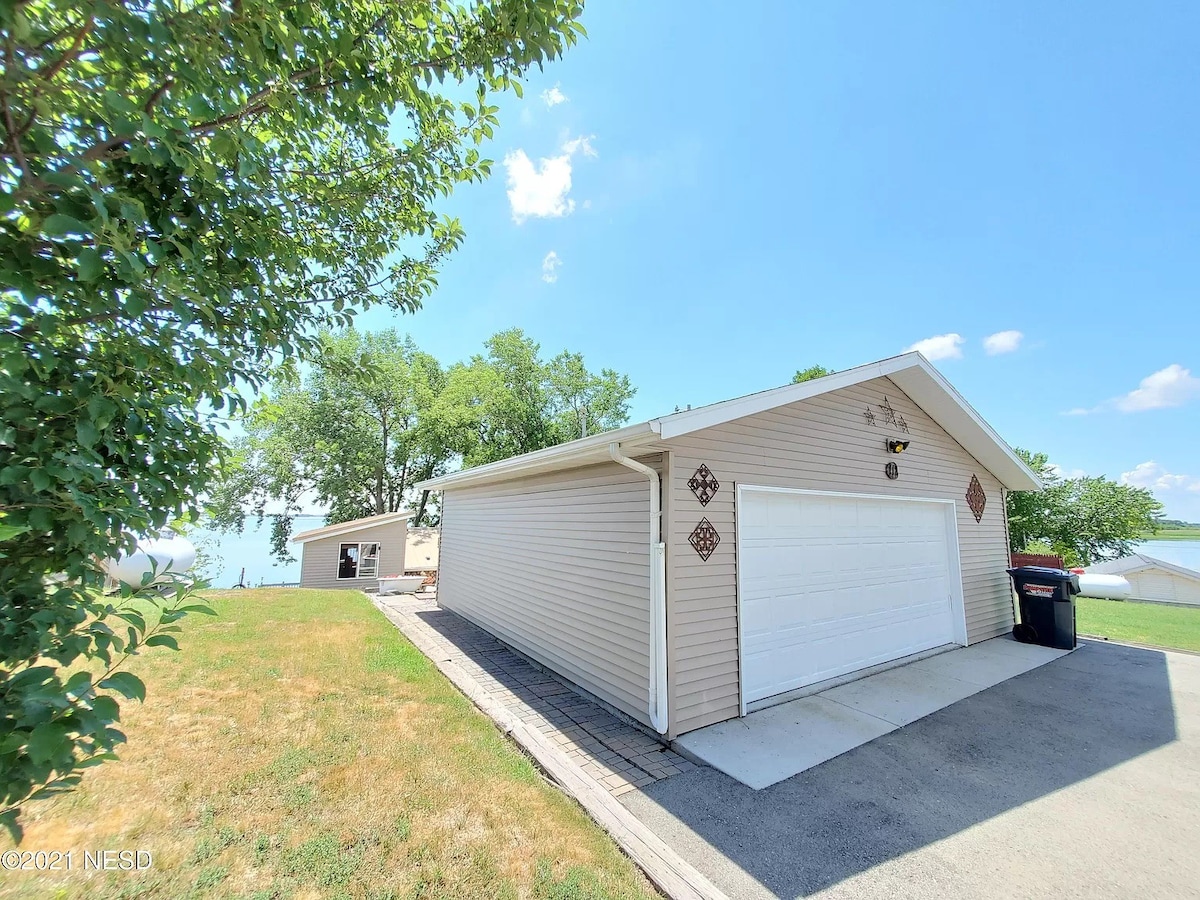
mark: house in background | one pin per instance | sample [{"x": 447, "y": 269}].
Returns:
[
  {"x": 421, "y": 555},
  {"x": 696, "y": 567},
  {"x": 1154, "y": 579},
  {"x": 353, "y": 554}
]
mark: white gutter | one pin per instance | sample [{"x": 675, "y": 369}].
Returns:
[
  {"x": 562, "y": 456},
  {"x": 658, "y": 592}
]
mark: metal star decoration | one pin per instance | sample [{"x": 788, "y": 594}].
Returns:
[{"x": 889, "y": 414}]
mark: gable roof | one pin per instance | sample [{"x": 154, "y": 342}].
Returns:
[
  {"x": 911, "y": 372},
  {"x": 350, "y": 527},
  {"x": 1139, "y": 562}
]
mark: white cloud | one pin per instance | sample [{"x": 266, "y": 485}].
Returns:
[
  {"x": 940, "y": 346},
  {"x": 1002, "y": 342},
  {"x": 554, "y": 96},
  {"x": 1172, "y": 386},
  {"x": 550, "y": 267},
  {"x": 583, "y": 143},
  {"x": 1151, "y": 475},
  {"x": 542, "y": 191}
]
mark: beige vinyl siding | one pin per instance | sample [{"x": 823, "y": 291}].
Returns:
[
  {"x": 558, "y": 566},
  {"x": 319, "y": 558},
  {"x": 1158, "y": 584},
  {"x": 823, "y": 443}
]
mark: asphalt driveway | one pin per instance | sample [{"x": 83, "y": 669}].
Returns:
[{"x": 1078, "y": 779}]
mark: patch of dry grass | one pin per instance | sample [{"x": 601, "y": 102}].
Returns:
[{"x": 300, "y": 747}]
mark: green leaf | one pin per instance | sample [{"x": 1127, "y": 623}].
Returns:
[
  {"x": 106, "y": 708},
  {"x": 79, "y": 683},
  {"x": 8, "y": 532},
  {"x": 125, "y": 683},
  {"x": 162, "y": 640},
  {"x": 46, "y": 742},
  {"x": 91, "y": 264},
  {"x": 59, "y": 224}
]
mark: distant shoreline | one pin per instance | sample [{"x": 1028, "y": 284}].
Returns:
[{"x": 1174, "y": 534}]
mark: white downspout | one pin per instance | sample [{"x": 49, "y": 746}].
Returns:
[{"x": 658, "y": 592}]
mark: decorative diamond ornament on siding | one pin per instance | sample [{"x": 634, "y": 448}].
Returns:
[
  {"x": 976, "y": 498},
  {"x": 704, "y": 485},
  {"x": 704, "y": 539}
]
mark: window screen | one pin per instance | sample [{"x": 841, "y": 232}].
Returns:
[{"x": 368, "y": 566}]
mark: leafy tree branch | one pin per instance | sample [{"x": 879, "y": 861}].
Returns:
[{"x": 164, "y": 247}]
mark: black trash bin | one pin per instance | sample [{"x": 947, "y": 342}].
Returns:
[{"x": 1047, "y": 600}]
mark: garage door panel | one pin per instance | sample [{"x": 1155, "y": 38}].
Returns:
[
  {"x": 829, "y": 584},
  {"x": 771, "y": 671}
]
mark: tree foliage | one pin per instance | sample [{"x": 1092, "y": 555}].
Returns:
[
  {"x": 1084, "y": 520},
  {"x": 509, "y": 401},
  {"x": 189, "y": 191},
  {"x": 810, "y": 373},
  {"x": 353, "y": 435},
  {"x": 374, "y": 415}
]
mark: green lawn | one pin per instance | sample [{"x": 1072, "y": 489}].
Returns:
[
  {"x": 1177, "y": 627},
  {"x": 300, "y": 747},
  {"x": 1174, "y": 534}
]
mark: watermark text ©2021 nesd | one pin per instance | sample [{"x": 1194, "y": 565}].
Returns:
[{"x": 71, "y": 860}]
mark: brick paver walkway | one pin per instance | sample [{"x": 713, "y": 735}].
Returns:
[{"x": 619, "y": 755}]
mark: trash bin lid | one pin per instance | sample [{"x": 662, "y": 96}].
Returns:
[{"x": 1040, "y": 572}]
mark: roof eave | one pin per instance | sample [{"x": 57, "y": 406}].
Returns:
[
  {"x": 327, "y": 531},
  {"x": 562, "y": 456},
  {"x": 967, "y": 427}
]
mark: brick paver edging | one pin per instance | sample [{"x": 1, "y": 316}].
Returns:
[{"x": 669, "y": 872}]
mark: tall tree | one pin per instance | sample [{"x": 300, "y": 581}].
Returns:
[
  {"x": 190, "y": 191},
  {"x": 510, "y": 401},
  {"x": 373, "y": 415},
  {"x": 583, "y": 403},
  {"x": 1084, "y": 520},
  {"x": 353, "y": 435}
]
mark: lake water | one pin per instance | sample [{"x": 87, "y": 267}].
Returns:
[
  {"x": 251, "y": 549},
  {"x": 1182, "y": 553}
]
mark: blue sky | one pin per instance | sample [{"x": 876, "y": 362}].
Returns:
[{"x": 732, "y": 196}]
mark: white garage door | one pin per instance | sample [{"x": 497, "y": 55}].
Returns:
[{"x": 833, "y": 583}]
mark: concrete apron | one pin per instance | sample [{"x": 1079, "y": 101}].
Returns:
[{"x": 773, "y": 744}]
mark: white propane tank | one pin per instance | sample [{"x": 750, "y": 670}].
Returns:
[
  {"x": 1106, "y": 587},
  {"x": 163, "y": 556}
]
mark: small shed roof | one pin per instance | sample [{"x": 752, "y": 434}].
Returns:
[
  {"x": 1139, "y": 562},
  {"x": 911, "y": 372},
  {"x": 350, "y": 527}
]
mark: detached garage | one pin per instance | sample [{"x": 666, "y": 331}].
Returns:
[
  {"x": 353, "y": 554},
  {"x": 1154, "y": 579},
  {"x": 693, "y": 568}
]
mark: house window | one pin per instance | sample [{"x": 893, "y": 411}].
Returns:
[
  {"x": 368, "y": 566},
  {"x": 358, "y": 560}
]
